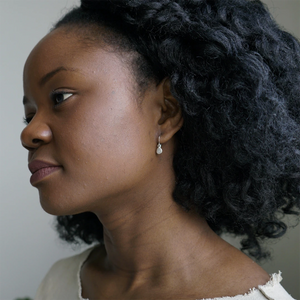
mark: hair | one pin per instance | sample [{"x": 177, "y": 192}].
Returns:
[{"x": 236, "y": 76}]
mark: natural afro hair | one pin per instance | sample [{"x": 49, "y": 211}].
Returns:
[{"x": 236, "y": 76}]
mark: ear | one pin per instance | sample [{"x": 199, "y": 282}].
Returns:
[{"x": 171, "y": 115}]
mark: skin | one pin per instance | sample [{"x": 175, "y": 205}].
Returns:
[{"x": 104, "y": 137}]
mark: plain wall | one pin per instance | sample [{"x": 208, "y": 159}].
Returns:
[{"x": 28, "y": 244}]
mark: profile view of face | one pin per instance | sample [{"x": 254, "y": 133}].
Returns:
[{"x": 85, "y": 119}]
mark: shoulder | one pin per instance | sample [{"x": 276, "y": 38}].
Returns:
[
  {"x": 238, "y": 277},
  {"x": 62, "y": 280},
  {"x": 272, "y": 290}
]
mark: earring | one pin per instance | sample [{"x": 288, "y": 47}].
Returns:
[{"x": 158, "y": 149}]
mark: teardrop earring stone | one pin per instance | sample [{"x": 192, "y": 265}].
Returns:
[{"x": 159, "y": 150}]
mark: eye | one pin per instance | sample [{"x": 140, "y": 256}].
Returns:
[{"x": 59, "y": 97}]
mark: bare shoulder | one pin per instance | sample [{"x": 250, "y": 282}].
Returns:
[{"x": 237, "y": 273}]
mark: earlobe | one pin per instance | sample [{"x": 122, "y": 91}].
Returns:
[{"x": 171, "y": 115}]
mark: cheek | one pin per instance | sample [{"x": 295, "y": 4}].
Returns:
[{"x": 105, "y": 150}]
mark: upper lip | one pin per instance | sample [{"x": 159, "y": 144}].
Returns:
[{"x": 36, "y": 165}]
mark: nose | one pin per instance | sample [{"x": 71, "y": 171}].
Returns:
[{"x": 35, "y": 134}]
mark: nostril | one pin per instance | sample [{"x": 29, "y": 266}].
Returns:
[
  {"x": 36, "y": 134},
  {"x": 36, "y": 141},
  {"x": 28, "y": 148}
]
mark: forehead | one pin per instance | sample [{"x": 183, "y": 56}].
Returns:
[
  {"x": 50, "y": 51},
  {"x": 61, "y": 48}
]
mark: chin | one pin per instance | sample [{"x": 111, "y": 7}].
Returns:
[
  {"x": 52, "y": 209},
  {"x": 58, "y": 207}
]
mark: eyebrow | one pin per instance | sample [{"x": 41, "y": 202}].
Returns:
[{"x": 47, "y": 77}]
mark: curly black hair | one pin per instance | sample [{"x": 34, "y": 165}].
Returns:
[{"x": 236, "y": 76}]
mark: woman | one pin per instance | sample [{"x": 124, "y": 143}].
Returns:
[{"x": 154, "y": 126}]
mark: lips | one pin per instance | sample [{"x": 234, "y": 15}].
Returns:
[{"x": 41, "y": 169}]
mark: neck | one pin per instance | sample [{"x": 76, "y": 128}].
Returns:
[
  {"x": 150, "y": 238},
  {"x": 148, "y": 235}
]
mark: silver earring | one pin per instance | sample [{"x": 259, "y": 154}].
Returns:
[{"x": 158, "y": 149}]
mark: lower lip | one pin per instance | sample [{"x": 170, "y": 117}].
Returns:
[{"x": 42, "y": 173}]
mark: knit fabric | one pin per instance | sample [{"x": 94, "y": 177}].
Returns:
[{"x": 63, "y": 282}]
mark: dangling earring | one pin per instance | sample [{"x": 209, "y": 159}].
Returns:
[{"x": 158, "y": 149}]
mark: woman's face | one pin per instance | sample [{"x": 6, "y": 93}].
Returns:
[{"x": 85, "y": 118}]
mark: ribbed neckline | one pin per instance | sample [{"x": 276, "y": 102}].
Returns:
[
  {"x": 84, "y": 256},
  {"x": 274, "y": 280}
]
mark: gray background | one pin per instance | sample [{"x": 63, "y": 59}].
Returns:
[{"x": 28, "y": 244}]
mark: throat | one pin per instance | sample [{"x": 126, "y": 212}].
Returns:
[{"x": 162, "y": 255}]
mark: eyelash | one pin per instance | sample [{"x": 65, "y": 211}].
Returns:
[
  {"x": 53, "y": 96},
  {"x": 27, "y": 120}
]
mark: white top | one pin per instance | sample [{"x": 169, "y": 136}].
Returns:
[{"x": 62, "y": 282}]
